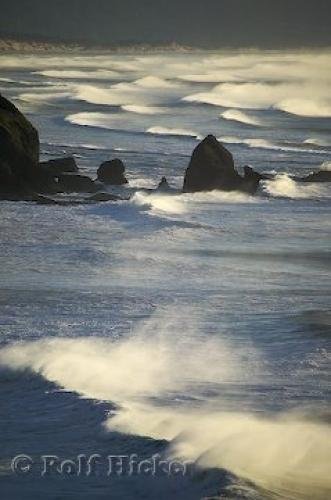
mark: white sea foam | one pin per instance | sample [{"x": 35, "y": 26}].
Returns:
[
  {"x": 288, "y": 455},
  {"x": 211, "y": 77},
  {"x": 294, "y": 82},
  {"x": 264, "y": 66},
  {"x": 163, "y": 203},
  {"x": 164, "y": 357},
  {"x": 239, "y": 116},
  {"x": 152, "y": 82},
  {"x": 98, "y": 95},
  {"x": 285, "y": 187},
  {"x": 91, "y": 119},
  {"x": 309, "y": 99},
  {"x": 100, "y": 74},
  {"x": 142, "y": 182},
  {"x": 160, "y": 203},
  {"x": 126, "y": 64},
  {"x": 265, "y": 144},
  {"x": 243, "y": 95},
  {"x": 306, "y": 106},
  {"x": 75, "y": 145},
  {"x": 44, "y": 97},
  {"x": 145, "y": 110},
  {"x": 157, "y": 130},
  {"x": 326, "y": 166},
  {"x": 154, "y": 360},
  {"x": 252, "y": 143},
  {"x": 318, "y": 141},
  {"x": 147, "y": 91},
  {"x": 7, "y": 80}
]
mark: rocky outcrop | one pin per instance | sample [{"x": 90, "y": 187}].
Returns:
[
  {"x": 49, "y": 172},
  {"x": 250, "y": 173},
  {"x": 75, "y": 183},
  {"x": 319, "y": 176},
  {"x": 60, "y": 166},
  {"x": 103, "y": 197},
  {"x": 163, "y": 185},
  {"x": 212, "y": 167},
  {"x": 112, "y": 172},
  {"x": 22, "y": 177},
  {"x": 19, "y": 152}
]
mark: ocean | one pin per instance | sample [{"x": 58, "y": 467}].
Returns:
[{"x": 191, "y": 329}]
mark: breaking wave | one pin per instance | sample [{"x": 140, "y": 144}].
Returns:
[
  {"x": 291, "y": 97},
  {"x": 162, "y": 203},
  {"x": 173, "y": 131},
  {"x": 109, "y": 121},
  {"x": 288, "y": 453},
  {"x": 144, "y": 110},
  {"x": 100, "y": 74},
  {"x": 285, "y": 187},
  {"x": 239, "y": 116},
  {"x": 90, "y": 119},
  {"x": 154, "y": 82},
  {"x": 318, "y": 141},
  {"x": 44, "y": 97},
  {"x": 326, "y": 166},
  {"x": 265, "y": 144},
  {"x": 147, "y": 91}
]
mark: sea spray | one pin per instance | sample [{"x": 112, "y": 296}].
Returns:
[
  {"x": 284, "y": 453},
  {"x": 285, "y": 187},
  {"x": 162, "y": 203}
]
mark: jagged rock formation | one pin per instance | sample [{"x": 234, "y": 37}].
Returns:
[{"x": 212, "y": 167}]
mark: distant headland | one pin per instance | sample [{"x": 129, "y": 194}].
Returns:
[{"x": 28, "y": 44}]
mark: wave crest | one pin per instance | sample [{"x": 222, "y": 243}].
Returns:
[
  {"x": 239, "y": 116},
  {"x": 285, "y": 187},
  {"x": 158, "y": 130},
  {"x": 144, "y": 110},
  {"x": 287, "y": 453}
]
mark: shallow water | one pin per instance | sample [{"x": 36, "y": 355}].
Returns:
[{"x": 193, "y": 326}]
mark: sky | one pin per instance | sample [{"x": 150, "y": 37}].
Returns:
[{"x": 206, "y": 23}]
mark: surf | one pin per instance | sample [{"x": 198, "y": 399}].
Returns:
[{"x": 148, "y": 375}]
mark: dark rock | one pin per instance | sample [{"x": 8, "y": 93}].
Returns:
[
  {"x": 163, "y": 185},
  {"x": 60, "y": 165},
  {"x": 49, "y": 171},
  {"x": 19, "y": 151},
  {"x": 319, "y": 176},
  {"x": 112, "y": 172},
  {"x": 104, "y": 197},
  {"x": 45, "y": 181},
  {"x": 250, "y": 173},
  {"x": 44, "y": 200},
  {"x": 25, "y": 194},
  {"x": 75, "y": 183},
  {"x": 212, "y": 167}
]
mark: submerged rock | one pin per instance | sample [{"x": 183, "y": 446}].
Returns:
[
  {"x": 212, "y": 167},
  {"x": 112, "y": 172},
  {"x": 75, "y": 183}
]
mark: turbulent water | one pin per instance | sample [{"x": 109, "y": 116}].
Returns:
[{"x": 194, "y": 326}]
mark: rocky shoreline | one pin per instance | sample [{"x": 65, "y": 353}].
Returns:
[{"x": 24, "y": 178}]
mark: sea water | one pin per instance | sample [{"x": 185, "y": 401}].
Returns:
[{"x": 194, "y": 327}]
